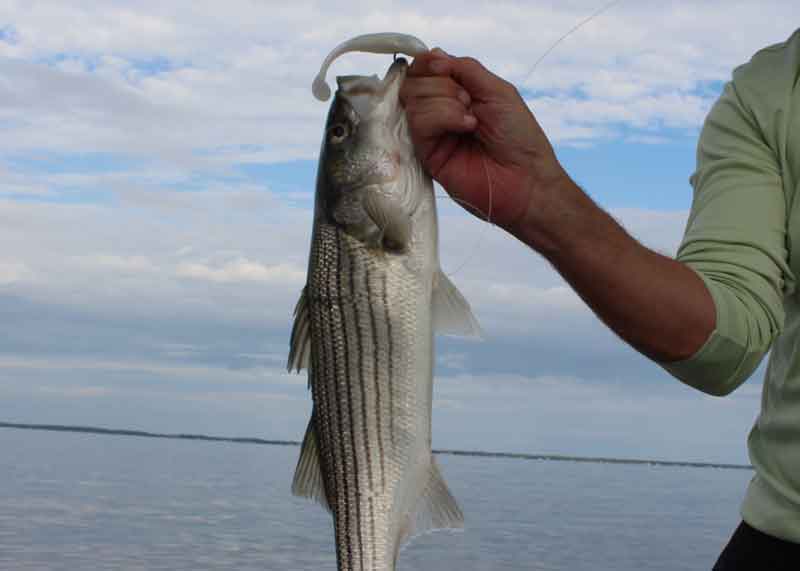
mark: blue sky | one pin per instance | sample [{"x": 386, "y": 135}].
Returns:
[{"x": 156, "y": 184}]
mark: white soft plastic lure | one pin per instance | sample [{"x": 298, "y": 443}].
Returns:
[{"x": 381, "y": 43}]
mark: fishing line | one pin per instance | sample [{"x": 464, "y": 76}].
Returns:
[
  {"x": 572, "y": 30},
  {"x": 482, "y": 235}
]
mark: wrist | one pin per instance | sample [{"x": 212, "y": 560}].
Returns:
[{"x": 552, "y": 220}]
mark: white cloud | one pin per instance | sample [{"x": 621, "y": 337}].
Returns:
[
  {"x": 155, "y": 261},
  {"x": 269, "y": 378},
  {"x": 121, "y": 264},
  {"x": 236, "y": 255},
  {"x": 243, "y": 270},
  {"x": 457, "y": 361},
  {"x": 559, "y": 298},
  {"x": 13, "y": 272},
  {"x": 661, "y": 231},
  {"x": 547, "y": 414},
  {"x": 76, "y": 392},
  {"x": 570, "y": 119},
  {"x": 183, "y": 265},
  {"x": 514, "y": 290},
  {"x": 166, "y": 80}
]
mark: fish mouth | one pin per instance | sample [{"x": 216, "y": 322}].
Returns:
[
  {"x": 397, "y": 70},
  {"x": 371, "y": 96},
  {"x": 372, "y": 85}
]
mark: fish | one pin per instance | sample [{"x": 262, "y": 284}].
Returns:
[{"x": 364, "y": 327}]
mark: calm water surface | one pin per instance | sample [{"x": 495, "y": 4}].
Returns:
[{"x": 77, "y": 501}]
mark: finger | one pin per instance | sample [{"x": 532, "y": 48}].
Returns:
[
  {"x": 423, "y": 87},
  {"x": 421, "y": 64},
  {"x": 439, "y": 155},
  {"x": 434, "y": 117},
  {"x": 479, "y": 82}
]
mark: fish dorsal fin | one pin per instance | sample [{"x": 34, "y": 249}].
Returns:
[
  {"x": 300, "y": 343},
  {"x": 435, "y": 509},
  {"x": 451, "y": 312},
  {"x": 308, "y": 482}
]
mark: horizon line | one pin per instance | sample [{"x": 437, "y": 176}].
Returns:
[{"x": 444, "y": 451}]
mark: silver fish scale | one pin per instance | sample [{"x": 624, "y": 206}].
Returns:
[{"x": 364, "y": 327}]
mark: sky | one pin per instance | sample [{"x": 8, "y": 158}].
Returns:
[{"x": 157, "y": 166}]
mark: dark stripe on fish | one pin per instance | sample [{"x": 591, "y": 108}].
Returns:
[
  {"x": 391, "y": 356},
  {"x": 322, "y": 420},
  {"x": 346, "y": 377},
  {"x": 343, "y": 505},
  {"x": 374, "y": 537},
  {"x": 362, "y": 385},
  {"x": 375, "y": 371}
]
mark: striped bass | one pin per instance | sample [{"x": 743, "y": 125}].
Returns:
[{"x": 364, "y": 327}]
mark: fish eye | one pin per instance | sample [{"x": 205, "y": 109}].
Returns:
[{"x": 338, "y": 133}]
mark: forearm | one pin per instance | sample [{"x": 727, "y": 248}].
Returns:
[{"x": 658, "y": 305}]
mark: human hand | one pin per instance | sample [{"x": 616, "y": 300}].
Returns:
[{"x": 472, "y": 131}]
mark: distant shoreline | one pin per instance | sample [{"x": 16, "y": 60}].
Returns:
[{"x": 446, "y": 452}]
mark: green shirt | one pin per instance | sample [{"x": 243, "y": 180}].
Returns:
[{"x": 743, "y": 239}]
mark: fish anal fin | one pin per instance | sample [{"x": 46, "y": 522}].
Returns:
[
  {"x": 300, "y": 343},
  {"x": 451, "y": 312},
  {"x": 435, "y": 509},
  {"x": 307, "y": 481}
]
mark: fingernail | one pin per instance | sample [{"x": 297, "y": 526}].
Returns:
[
  {"x": 470, "y": 121},
  {"x": 464, "y": 97},
  {"x": 440, "y": 52},
  {"x": 438, "y": 66}
]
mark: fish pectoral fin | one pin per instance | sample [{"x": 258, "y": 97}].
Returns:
[
  {"x": 435, "y": 509},
  {"x": 300, "y": 343},
  {"x": 308, "y": 482},
  {"x": 393, "y": 222},
  {"x": 451, "y": 312}
]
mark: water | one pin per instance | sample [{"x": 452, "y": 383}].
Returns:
[{"x": 77, "y": 501}]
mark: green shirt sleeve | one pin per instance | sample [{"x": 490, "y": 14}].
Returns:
[{"x": 736, "y": 242}]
